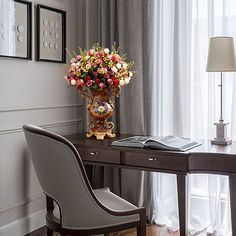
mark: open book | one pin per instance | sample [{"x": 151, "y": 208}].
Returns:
[{"x": 166, "y": 143}]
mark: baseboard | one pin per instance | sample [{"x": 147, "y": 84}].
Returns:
[{"x": 25, "y": 225}]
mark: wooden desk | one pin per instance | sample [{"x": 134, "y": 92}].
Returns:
[{"x": 206, "y": 158}]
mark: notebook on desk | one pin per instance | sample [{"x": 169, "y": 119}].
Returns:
[{"x": 170, "y": 142}]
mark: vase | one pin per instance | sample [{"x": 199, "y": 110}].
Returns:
[{"x": 100, "y": 108}]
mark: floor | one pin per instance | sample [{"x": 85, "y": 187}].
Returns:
[{"x": 152, "y": 230}]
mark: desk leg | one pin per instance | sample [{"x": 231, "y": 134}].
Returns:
[
  {"x": 232, "y": 187},
  {"x": 182, "y": 203}
]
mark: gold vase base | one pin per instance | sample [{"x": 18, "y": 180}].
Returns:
[
  {"x": 100, "y": 130},
  {"x": 100, "y": 135}
]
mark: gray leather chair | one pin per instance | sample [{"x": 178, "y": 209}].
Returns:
[{"x": 79, "y": 210}]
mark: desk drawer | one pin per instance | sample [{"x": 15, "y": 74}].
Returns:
[
  {"x": 99, "y": 155},
  {"x": 156, "y": 161},
  {"x": 212, "y": 163}
]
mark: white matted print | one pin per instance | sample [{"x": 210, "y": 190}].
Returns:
[
  {"x": 15, "y": 29},
  {"x": 51, "y": 34}
]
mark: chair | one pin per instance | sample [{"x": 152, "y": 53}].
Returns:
[{"x": 79, "y": 210}]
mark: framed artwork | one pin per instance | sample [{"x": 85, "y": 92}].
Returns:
[
  {"x": 51, "y": 34},
  {"x": 15, "y": 29}
]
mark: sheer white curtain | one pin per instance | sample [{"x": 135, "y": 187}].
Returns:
[{"x": 186, "y": 103}]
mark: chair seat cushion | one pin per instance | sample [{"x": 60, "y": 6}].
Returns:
[
  {"x": 112, "y": 201},
  {"x": 109, "y": 200}
]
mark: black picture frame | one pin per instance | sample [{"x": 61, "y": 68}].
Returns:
[
  {"x": 39, "y": 34},
  {"x": 28, "y": 47}
]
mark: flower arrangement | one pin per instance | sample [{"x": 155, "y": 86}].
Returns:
[{"x": 98, "y": 69}]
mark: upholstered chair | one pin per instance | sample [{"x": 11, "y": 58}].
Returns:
[{"x": 73, "y": 207}]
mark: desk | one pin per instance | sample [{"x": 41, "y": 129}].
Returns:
[{"x": 206, "y": 158}]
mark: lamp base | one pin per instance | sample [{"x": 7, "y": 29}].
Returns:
[{"x": 221, "y": 134}]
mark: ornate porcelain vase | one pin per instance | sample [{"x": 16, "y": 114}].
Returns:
[{"x": 100, "y": 108}]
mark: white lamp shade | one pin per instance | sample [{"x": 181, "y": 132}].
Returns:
[{"x": 221, "y": 55}]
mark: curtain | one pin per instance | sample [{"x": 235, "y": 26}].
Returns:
[
  {"x": 189, "y": 103},
  {"x": 171, "y": 94}
]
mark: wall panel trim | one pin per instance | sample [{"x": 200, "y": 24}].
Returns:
[
  {"x": 52, "y": 125},
  {"x": 24, "y": 225},
  {"x": 32, "y": 108},
  {"x": 8, "y": 207}
]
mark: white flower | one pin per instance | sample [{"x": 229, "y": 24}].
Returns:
[
  {"x": 106, "y": 50},
  {"x": 114, "y": 69},
  {"x": 91, "y": 51},
  {"x": 72, "y": 60},
  {"x": 73, "y": 64},
  {"x": 122, "y": 82},
  {"x": 125, "y": 65},
  {"x": 87, "y": 57},
  {"x": 101, "y": 109},
  {"x": 88, "y": 66},
  {"x": 118, "y": 65},
  {"x": 130, "y": 74},
  {"x": 126, "y": 80},
  {"x": 73, "y": 82}
]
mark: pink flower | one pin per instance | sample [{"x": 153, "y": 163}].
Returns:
[
  {"x": 110, "y": 81},
  {"x": 101, "y": 85},
  {"x": 66, "y": 77},
  {"x": 91, "y": 52},
  {"x": 106, "y": 76},
  {"x": 98, "y": 61},
  {"x": 89, "y": 83},
  {"x": 78, "y": 57}
]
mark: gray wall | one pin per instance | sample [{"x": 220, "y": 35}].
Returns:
[{"x": 32, "y": 92}]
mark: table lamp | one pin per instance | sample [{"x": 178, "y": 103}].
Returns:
[{"x": 221, "y": 58}]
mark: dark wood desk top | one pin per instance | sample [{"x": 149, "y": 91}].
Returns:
[
  {"x": 205, "y": 158},
  {"x": 80, "y": 140},
  {"x": 206, "y": 147}
]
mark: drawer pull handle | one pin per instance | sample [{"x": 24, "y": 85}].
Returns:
[
  {"x": 152, "y": 158},
  {"x": 93, "y": 153}
]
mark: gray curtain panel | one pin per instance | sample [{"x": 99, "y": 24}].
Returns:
[{"x": 128, "y": 24}]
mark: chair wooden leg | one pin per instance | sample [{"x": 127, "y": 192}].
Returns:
[
  {"x": 141, "y": 229},
  {"x": 49, "y": 232}
]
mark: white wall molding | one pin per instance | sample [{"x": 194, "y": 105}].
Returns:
[
  {"x": 33, "y": 108},
  {"x": 47, "y": 126},
  {"x": 4, "y": 208},
  {"x": 24, "y": 225}
]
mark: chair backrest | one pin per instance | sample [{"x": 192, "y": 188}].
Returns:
[{"x": 62, "y": 176}]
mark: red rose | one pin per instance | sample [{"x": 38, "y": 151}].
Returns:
[
  {"x": 113, "y": 78},
  {"x": 95, "y": 73},
  {"x": 116, "y": 82},
  {"x": 87, "y": 78},
  {"x": 97, "y": 81}
]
